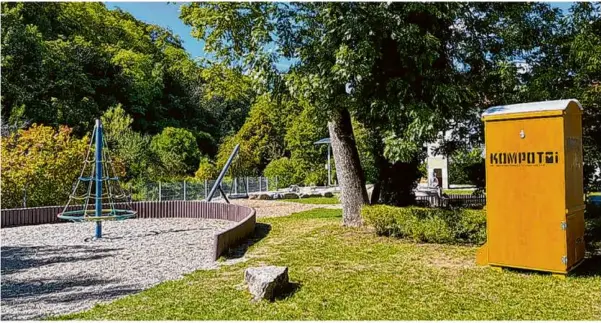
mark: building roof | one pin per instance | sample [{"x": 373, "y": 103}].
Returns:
[{"x": 530, "y": 107}]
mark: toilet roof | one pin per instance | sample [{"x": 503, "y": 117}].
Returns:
[{"x": 530, "y": 107}]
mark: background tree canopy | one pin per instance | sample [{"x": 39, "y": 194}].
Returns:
[{"x": 381, "y": 79}]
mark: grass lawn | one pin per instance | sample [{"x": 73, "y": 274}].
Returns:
[
  {"x": 314, "y": 200},
  {"x": 458, "y": 191},
  {"x": 350, "y": 274}
]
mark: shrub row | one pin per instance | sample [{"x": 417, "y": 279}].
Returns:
[
  {"x": 592, "y": 234},
  {"x": 427, "y": 225}
]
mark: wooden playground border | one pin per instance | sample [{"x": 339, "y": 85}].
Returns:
[{"x": 244, "y": 216}]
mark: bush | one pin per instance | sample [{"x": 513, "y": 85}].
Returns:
[
  {"x": 288, "y": 171},
  {"x": 42, "y": 161},
  {"x": 467, "y": 167},
  {"x": 592, "y": 219},
  {"x": 206, "y": 170},
  {"x": 177, "y": 150},
  {"x": 427, "y": 225},
  {"x": 128, "y": 146}
]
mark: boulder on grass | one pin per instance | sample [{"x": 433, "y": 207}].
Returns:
[
  {"x": 309, "y": 195},
  {"x": 290, "y": 196},
  {"x": 264, "y": 196},
  {"x": 266, "y": 282}
]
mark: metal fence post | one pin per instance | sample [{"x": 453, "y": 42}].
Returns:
[
  {"x": 206, "y": 188},
  {"x": 259, "y": 184},
  {"x": 247, "y": 187},
  {"x": 266, "y": 184},
  {"x": 159, "y": 191},
  {"x": 24, "y": 197},
  {"x": 184, "y": 190}
]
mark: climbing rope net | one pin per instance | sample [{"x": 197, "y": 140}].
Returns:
[{"x": 116, "y": 203}]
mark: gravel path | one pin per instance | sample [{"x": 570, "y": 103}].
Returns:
[
  {"x": 267, "y": 208},
  {"x": 57, "y": 269}
]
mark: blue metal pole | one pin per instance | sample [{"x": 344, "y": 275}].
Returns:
[
  {"x": 98, "y": 177},
  {"x": 222, "y": 174}
]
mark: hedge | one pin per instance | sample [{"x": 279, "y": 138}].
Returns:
[{"x": 427, "y": 224}]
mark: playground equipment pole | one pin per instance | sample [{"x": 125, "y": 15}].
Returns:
[
  {"x": 98, "y": 177},
  {"x": 222, "y": 174}
]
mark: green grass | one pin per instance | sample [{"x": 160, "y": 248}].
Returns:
[
  {"x": 458, "y": 191},
  {"x": 595, "y": 194},
  {"x": 314, "y": 200},
  {"x": 350, "y": 274}
]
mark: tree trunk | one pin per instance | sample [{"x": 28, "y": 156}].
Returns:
[
  {"x": 396, "y": 181},
  {"x": 348, "y": 167}
]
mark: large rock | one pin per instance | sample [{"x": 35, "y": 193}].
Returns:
[
  {"x": 327, "y": 194},
  {"x": 266, "y": 282},
  {"x": 290, "y": 196},
  {"x": 264, "y": 196},
  {"x": 309, "y": 195}
]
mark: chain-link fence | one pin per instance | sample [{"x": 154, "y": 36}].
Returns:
[
  {"x": 191, "y": 190},
  {"x": 194, "y": 190}
]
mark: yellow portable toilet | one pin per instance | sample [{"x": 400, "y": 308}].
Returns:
[{"x": 534, "y": 186}]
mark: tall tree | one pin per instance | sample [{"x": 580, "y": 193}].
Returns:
[
  {"x": 246, "y": 34},
  {"x": 405, "y": 70}
]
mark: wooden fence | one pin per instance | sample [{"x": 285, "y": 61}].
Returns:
[{"x": 244, "y": 216}]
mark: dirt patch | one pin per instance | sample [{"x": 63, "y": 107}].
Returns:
[{"x": 276, "y": 208}]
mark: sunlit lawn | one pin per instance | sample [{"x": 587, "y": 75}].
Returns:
[
  {"x": 350, "y": 274},
  {"x": 458, "y": 191},
  {"x": 314, "y": 200}
]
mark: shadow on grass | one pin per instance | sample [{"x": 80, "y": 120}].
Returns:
[
  {"x": 288, "y": 291},
  {"x": 590, "y": 267},
  {"x": 261, "y": 231}
]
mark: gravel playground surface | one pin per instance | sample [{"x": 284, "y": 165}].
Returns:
[
  {"x": 267, "y": 208},
  {"x": 53, "y": 269}
]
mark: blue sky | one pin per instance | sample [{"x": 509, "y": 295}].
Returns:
[{"x": 167, "y": 15}]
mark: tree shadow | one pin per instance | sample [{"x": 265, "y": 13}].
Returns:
[
  {"x": 77, "y": 293},
  {"x": 16, "y": 258},
  {"x": 261, "y": 231},
  {"x": 590, "y": 267},
  {"x": 12, "y": 290}
]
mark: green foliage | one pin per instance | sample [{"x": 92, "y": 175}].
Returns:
[
  {"x": 68, "y": 63},
  {"x": 129, "y": 146},
  {"x": 365, "y": 152},
  {"x": 592, "y": 234},
  {"x": 206, "y": 170},
  {"x": 427, "y": 225},
  {"x": 115, "y": 122},
  {"x": 463, "y": 166},
  {"x": 177, "y": 150},
  {"x": 262, "y": 137},
  {"x": 288, "y": 171},
  {"x": 43, "y": 162}
]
